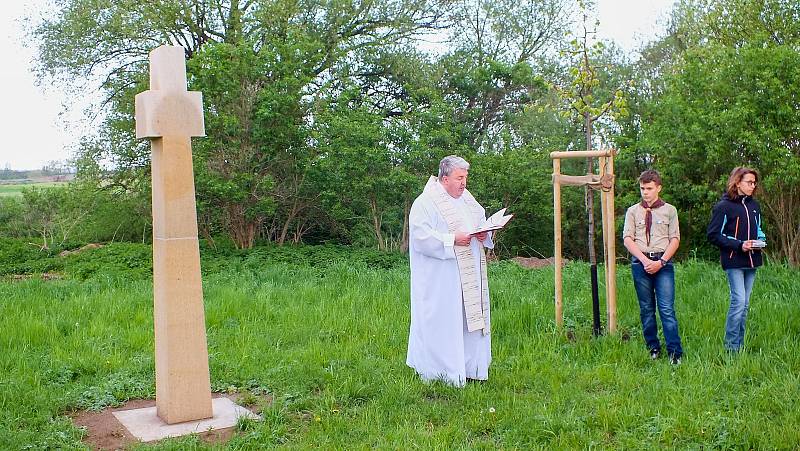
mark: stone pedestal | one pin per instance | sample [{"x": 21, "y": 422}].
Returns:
[{"x": 145, "y": 424}]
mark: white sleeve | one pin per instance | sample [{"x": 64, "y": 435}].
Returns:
[{"x": 425, "y": 237}]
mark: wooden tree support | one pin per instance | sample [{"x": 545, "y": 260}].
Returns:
[{"x": 609, "y": 242}]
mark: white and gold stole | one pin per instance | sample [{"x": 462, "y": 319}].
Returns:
[{"x": 476, "y": 298}]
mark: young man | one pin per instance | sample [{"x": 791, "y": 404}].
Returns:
[{"x": 652, "y": 236}]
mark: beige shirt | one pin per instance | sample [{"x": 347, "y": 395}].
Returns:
[{"x": 664, "y": 227}]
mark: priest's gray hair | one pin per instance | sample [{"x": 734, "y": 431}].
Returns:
[{"x": 451, "y": 162}]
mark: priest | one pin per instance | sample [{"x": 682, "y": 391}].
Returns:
[{"x": 449, "y": 338}]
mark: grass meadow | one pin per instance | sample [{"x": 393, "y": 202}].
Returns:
[
  {"x": 325, "y": 337},
  {"x": 15, "y": 189}
]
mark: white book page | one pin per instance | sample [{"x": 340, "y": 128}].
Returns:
[{"x": 494, "y": 222}]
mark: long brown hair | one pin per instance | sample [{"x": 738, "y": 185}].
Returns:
[{"x": 737, "y": 174}]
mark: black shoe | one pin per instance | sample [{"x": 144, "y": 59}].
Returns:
[
  {"x": 655, "y": 354},
  {"x": 675, "y": 359}
]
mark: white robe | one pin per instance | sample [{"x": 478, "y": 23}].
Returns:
[{"x": 439, "y": 345}]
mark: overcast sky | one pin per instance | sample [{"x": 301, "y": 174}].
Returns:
[{"x": 33, "y": 132}]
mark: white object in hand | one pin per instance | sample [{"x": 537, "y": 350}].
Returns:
[{"x": 494, "y": 222}]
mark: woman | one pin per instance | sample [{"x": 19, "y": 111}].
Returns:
[{"x": 736, "y": 229}]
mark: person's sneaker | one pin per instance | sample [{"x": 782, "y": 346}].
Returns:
[
  {"x": 675, "y": 360},
  {"x": 655, "y": 353}
]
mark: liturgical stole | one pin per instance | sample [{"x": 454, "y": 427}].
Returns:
[{"x": 476, "y": 297}]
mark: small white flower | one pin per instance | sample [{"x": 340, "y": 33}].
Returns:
[{"x": 491, "y": 409}]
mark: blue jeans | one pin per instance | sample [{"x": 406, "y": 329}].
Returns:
[
  {"x": 740, "y": 281},
  {"x": 657, "y": 290}
]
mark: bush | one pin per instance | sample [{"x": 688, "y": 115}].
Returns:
[
  {"x": 19, "y": 256},
  {"x": 129, "y": 260},
  {"x": 134, "y": 260}
]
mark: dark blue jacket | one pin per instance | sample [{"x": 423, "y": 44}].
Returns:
[{"x": 734, "y": 221}]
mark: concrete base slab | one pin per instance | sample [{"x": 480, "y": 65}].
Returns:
[{"x": 145, "y": 424}]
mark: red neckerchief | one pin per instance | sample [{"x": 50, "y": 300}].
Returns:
[{"x": 648, "y": 217}]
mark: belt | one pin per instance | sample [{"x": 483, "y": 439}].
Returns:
[{"x": 653, "y": 255}]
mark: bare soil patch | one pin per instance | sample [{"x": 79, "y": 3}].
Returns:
[
  {"x": 44, "y": 276},
  {"x": 104, "y": 432},
  {"x": 78, "y": 251},
  {"x": 533, "y": 262}
]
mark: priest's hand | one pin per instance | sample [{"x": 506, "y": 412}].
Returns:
[
  {"x": 462, "y": 239},
  {"x": 481, "y": 236}
]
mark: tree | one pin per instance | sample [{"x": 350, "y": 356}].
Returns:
[
  {"x": 584, "y": 100},
  {"x": 278, "y": 52},
  {"x": 365, "y": 180},
  {"x": 734, "y": 23},
  {"x": 729, "y": 107},
  {"x": 490, "y": 73}
]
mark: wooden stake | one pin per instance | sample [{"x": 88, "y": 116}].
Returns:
[
  {"x": 611, "y": 268},
  {"x": 557, "y": 241},
  {"x": 604, "y": 216}
]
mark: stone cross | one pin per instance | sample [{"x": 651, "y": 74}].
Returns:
[{"x": 169, "y": 116}]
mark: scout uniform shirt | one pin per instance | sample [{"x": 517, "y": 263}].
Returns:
[{"x": 663, "y": 227}]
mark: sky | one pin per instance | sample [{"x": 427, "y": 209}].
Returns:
[
  {"x": 31, "y": 130},
  {"x": 39, "y": 124}
]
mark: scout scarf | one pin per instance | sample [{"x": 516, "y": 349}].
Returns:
[{"x": 648, "y": 216}]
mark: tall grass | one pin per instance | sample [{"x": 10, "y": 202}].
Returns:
[{"x": 328, "y": 343}]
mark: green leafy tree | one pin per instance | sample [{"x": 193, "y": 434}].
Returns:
[
  {"x": 730, "y": 107},
  {"x": 279, "y": 53},
  {"x": 365, "y": 177},
  {"x": 585, "y": 98},
  {"x": 491, "y": 72},
  {"x": 734, "y": 23}
]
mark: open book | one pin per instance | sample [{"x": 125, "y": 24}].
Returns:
[{"x": 494, "y": 222}]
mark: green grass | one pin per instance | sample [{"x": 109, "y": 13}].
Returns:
[
  {"x": 326, "y": 338},
  {"x": 16, "y": 189}
]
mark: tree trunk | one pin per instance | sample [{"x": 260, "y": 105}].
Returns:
[
  {"x": 783, "y": 211},
  {"x": 590, "y": 192},
  {"x": 242, "y": 230},
  {"x": 376, "y": 223},
  {"x": 206, "y": 234},
  {"x": 285, "y": 230},
  {"x": 299, "y": 232},
  {"x": 596, "y": 328},
  {"x": 405, "y": 236},
  {"x": 44, "y": 240}
]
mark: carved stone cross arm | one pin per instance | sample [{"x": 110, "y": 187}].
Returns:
[{"x": 168, "y": 109}]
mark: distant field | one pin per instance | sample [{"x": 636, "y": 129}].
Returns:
[{"x": 16, "y": 189}]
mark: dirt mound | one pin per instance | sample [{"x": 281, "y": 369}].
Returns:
[
  {"x": 44, "y": 276},
  {"x": 533, "y": 262},
  {"x": 78, "y": 251}
]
